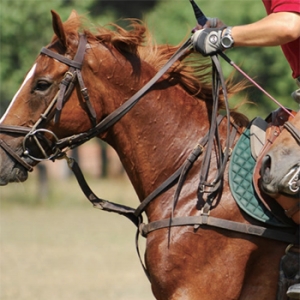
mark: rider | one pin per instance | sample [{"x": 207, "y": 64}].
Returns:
[{"x": 281, "y": 27}]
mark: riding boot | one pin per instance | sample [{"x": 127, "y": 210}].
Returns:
[{"x": 289, "y": 275}]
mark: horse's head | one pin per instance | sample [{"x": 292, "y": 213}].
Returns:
[
  {"x": 53, "y": 102},
  {"x": 77, "y": 81},
  {"x": 280, "y": 171},
  {"x": 81, "y": 78}
]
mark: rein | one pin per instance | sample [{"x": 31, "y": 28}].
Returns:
[
  {"x": 66, "y": 87},
  {"x": 295, "y": 132},
  {"x": 209, "y": 190}
]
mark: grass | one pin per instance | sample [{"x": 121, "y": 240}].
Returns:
[{"x": 62, "y": 248}]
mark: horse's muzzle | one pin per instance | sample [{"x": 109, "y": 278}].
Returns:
[
  {"x": 274, "y": 182},
  {"x": 11, "y": 170}
]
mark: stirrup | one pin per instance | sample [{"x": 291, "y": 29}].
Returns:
[{"x": 294, "y": 291}]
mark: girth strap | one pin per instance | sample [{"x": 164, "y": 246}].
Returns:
[{"x": 205, "y": 219}]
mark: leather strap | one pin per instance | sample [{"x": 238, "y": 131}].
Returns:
[
  {"x": 65, "y": 90},
  {"x": 190, "y": 161},
  {"x": 86, "y": 97},
  {"x": 61, "y": 58},
  {"x": 208, "y": 220},
  {"x": 67, "y": 84},
  {"x": 8, "y": 150},
  {"x": 291, "y": 211},
  {"x": 214, "y": 186},
  {"x": 115, "y": 116},
  {"x": 98, "y": 202},
  {"x": 14, "y": 129},
  {"x": 295, "y": 132}
]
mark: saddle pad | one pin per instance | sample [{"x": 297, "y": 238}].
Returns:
[{"x": 240, "y": 180}]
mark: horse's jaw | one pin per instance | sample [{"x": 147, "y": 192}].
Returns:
[{"x": 10, "y": 171}]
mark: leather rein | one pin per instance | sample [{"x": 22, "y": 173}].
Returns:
[
  {"x": 60, "y": 146},
  {"x": 295, "y": 132}
]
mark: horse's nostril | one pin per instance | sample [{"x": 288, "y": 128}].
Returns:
[{"x": 266, "y": 169}]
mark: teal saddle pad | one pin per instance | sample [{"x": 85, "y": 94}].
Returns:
[{"x": 241, "y": 169}]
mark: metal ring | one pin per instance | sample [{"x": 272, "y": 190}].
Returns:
[{"x": 32, "y": 134}]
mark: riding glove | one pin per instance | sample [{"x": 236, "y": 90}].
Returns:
[{"x": 208, "y": 41}]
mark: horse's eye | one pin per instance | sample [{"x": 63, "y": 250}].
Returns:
[{"x": 42, "y": 85}]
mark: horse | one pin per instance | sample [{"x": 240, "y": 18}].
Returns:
[
  {"x": 77, "y": 82},
  {"x": 280, "y": 171}
]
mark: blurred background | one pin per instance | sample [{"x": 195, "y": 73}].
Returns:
[{"x": 53, "y": 245}]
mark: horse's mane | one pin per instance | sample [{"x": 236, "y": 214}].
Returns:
[{"x": 193, "y": 72}]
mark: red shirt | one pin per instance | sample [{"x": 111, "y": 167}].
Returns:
[{"x": 291, "y": 50}]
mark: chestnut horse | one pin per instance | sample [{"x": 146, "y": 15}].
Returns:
[
  {"x": 280, "y": 172},
  {"x": 153, "y": 139}
]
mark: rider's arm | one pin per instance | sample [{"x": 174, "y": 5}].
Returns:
[{"x": 274, "y": 30}]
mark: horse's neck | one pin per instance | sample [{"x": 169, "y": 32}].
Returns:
[{"x": 157, "y": 135}]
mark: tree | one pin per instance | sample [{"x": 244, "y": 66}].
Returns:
[
  {"x": 26, "y": 27},
  {"x": 128, "y": 9},
  {"x": 171, "y": 21}
]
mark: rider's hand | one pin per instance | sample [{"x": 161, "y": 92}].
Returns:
[
  {"x": 208, "y": 41},
  {"x": 211, "y": 23}
]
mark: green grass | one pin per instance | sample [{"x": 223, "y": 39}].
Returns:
[{"x": 63, "y": 248}]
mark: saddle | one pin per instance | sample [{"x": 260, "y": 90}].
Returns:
[{"x": 244, "y": 174}]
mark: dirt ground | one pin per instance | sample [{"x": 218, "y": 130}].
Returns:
[{"x": 63, "y": 248}]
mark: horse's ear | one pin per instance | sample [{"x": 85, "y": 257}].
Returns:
[
  {"x": 73, "y": 15},
  {"x": 58, "y": 28}
]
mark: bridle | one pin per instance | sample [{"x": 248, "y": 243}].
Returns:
[
  {"x": 73, "y": 75},
  {"x": 58, "y": 146},
  {"x": 295, "y": 132},
  {"x": 36, "y": 133}
]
